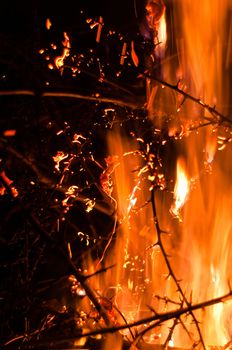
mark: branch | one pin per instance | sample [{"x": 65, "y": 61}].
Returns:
[
  {"x": 170, "y": 270},
  {"x": 158, "y": 317},
  {"x": 80, "y": 278},
  {"x": 212, "y": 110},
  {"x": 48, "y": 181},
  {"x": 133, "y": 104}
]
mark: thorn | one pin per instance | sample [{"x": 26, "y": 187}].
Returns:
[
  {"x": 164, "y": 232},
  {"x": 152, "y": 309},
  {"x": 177, "y": 84},
  {"x": 153, "y": 245}
]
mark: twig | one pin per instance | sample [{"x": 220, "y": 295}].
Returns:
[
  {"x": 48, "y": 181},
  {"x": 172, "y": 328},
  {"x": 133, "y": 104},
  {"x": 80, "y": 278},
  {"x": 104, "y": 269}
]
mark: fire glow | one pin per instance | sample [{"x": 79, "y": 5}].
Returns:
[{"x": 155, "y": 282}]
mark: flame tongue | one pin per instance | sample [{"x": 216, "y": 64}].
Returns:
[{"x": 181, "y": 189}]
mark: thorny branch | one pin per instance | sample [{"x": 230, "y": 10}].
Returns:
[
  {"x": 218, "y": 117},
  {"x": 158, "y": 318},
  {"x": 170, "y": 269}
]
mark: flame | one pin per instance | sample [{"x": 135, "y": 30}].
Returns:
[
  {"x": 202, "y": 260},
  {"x": 156, "y": 20},
  {"x": 181, "y": 189},
  {"x": 205, "y": 243}
]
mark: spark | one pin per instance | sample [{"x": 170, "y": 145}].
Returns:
[{"x": 69, "y": 250}]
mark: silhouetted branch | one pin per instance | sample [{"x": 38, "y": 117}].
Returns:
[
  {"x": 156, "y": 319},
  {"x": 170, "y": 269},
  {"x": 130, "y": 103},
  {"x": 80, "y": 278}
]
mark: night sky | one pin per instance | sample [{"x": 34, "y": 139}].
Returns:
[
  {"x": 26, "y": 17},
  {"x": 23, "y": 32}
]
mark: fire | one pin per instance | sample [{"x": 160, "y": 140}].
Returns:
[
  {"x": 202, "y": 244},
  {"x": 181, "y": 190},
  {"x": 156, "y": 21}
]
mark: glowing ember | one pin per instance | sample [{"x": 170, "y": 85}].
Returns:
[
  {"x": 6, "y": 185},
  {"x": 58, "y": 158},
  {"x": 48, "y": 23},
  {"x": 59, "y": 61},
  {"x": 181, "y": 189},
  {"x": 100, "y": 25},
  {"x": 9, "y": 133},
  {"x": 90, "y": 203},
  {"x": 72, "y": 192}
]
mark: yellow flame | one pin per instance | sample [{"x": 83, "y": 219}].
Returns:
[{"x": 181, "y": 189}]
